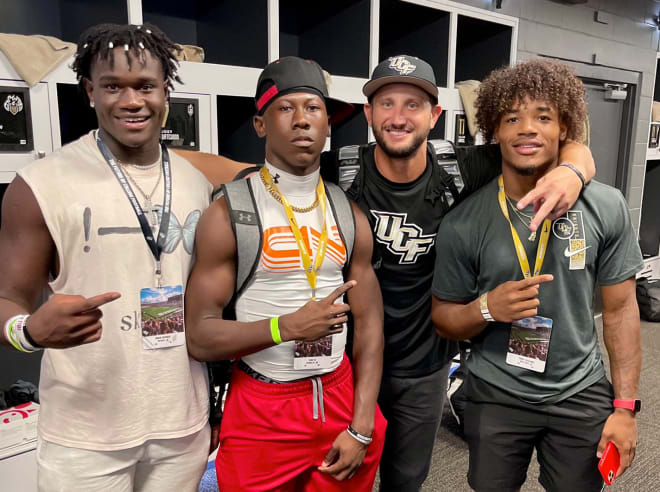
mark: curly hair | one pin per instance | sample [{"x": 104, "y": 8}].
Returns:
[
  {"x": 544, "y": 80},
  {"x": 98, "y": 42}
]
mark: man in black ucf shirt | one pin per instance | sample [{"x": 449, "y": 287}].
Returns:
[{"x": 404, "y": 194}]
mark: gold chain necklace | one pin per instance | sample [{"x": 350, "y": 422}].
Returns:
[
  {"x": 148, "y": 207},
  {"x": 520, "y": 215},
  {"x": 134, "y": 183},
  {"x": 278, "y": 197}
]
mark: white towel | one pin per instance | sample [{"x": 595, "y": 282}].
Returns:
[{"x": 35, "y": 56}]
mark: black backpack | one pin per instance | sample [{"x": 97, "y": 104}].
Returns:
[{"x": 648, "y": 298}]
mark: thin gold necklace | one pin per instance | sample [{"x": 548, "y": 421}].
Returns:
[
  {"x": 520, "y": 215},
  {"x": 148, "y": 208},
  {"x": 134, "y": 183},
  {"x": 278, "y": 197}
]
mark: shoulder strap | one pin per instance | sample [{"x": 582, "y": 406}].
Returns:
[
  {"x": 247, "y": 229},
  {"x": 441, "y": 185},
  {"x": 353, "y": 159},
  {"x": 244, "y": 172},
  {"x": 343, "y": 212}
]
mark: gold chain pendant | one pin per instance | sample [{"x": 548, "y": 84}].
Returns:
[{"x": 278, "y": 197}]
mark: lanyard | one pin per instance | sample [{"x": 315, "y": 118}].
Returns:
[
  {"x": 311, "y": 270},
  {"x": 156, "y": 246},
  {"x": 520, "y": 250}
]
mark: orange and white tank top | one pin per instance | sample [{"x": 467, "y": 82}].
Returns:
[{"x": 279, "y": 285}]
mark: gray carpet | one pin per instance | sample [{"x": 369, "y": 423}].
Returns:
[{"x": 450, "y": 455}]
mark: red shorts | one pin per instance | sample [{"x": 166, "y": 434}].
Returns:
[{"x": 273, "y": 436}]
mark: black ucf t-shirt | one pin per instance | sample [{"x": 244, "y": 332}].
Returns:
[{"x": 404, "y": 223}]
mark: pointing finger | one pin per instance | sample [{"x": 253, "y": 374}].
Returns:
[
  {"x": 99, "y": 300},
  {"x": 536, "y": 280},
  {"x": 339, "y": 291}
]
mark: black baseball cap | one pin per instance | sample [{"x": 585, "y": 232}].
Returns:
[
  {"x": 292, "y": 74},
  {"x": 402, "y": 69}
]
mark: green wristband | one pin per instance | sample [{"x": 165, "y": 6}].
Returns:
[
  {"x": 275, "y": 330},
  {"x": 11, "y": 334}
]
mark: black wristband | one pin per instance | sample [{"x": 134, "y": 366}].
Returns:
[
  {"x": 576, "y": 171},
  {"x": 29, "y": 338}
]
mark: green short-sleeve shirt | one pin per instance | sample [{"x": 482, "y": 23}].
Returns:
[{"x": 475, "y": 254}]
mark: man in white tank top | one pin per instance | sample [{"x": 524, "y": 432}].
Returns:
[
  {"x": 293, "y": 416},
  {"x": 110, "y": 218}
]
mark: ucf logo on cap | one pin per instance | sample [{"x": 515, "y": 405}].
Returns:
[{"x": 402, "y": 65}]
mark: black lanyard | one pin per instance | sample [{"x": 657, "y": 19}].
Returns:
[{"x": 156, "y": 247}]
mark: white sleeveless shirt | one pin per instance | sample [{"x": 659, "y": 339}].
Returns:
[
  {"x": 279, "y": 285},
  {"x": 113, "y": 394}
]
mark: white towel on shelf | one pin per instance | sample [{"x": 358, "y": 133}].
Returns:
[{"x": 35, "y": 56}]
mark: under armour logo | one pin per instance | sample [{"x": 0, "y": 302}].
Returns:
[
  {"x": 244, "y": 217},
  {"x": 276, "y": 178},
  {"x": 402, "y": 239},
  {"x": 402, "y": 65}
]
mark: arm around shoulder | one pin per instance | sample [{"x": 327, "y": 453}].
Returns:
[
  {"x": 580, "y": 156},
  {"x": 557, "y": 191},
  {"x": 218, "y": 169}
]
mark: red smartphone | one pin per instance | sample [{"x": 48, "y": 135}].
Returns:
[{"x": 609, "y": 463}]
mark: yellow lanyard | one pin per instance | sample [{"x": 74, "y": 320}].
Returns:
[
  {"x": 311, "y": 271},
  {"x": 520, "y": 250}
]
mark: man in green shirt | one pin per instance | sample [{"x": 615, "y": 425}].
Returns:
[{"x": 536, "y": 373}]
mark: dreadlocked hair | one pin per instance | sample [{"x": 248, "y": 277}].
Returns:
[
  {"x": 98, "y": 42},
  {"x": 540, "y": 80}
]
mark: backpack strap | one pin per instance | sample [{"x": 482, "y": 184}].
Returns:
[
  {"x": 441, "y": 185},
  {"x": 353, "y": 157},
  {"x": 246, "y": 225},
  {"x": 343, "y": 212}
]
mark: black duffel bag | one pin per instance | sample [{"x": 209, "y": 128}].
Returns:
[{"x": 648, "y": 298}]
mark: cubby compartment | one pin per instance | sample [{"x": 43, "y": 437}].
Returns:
[
  {"x": 411, "y": 29},
  {"x": 352, "y": 130},
  {"x": 649, "y": 229},
  {"x": 231, "y": 32},
  {"x": 481, "y": 47},
  {"x": 334, "y": 34},
  {"x": 63, "y": 19},
  {"x": 439, "y": 130},
  {"x": 76, "y": 117},
  {"x": 237, "y": 138}
]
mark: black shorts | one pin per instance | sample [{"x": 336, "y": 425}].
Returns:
[{"x": 502, "y": 432}]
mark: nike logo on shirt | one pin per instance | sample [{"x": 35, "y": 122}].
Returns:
[{"x": 568, "y": 253}]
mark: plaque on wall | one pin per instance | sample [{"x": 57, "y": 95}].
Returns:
[
  {"x": 461, "y": 132},
  {"x": 181, "y": 129},
  {"x": 15, "y": 120},
  {"x": 654, "y": 136}
]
